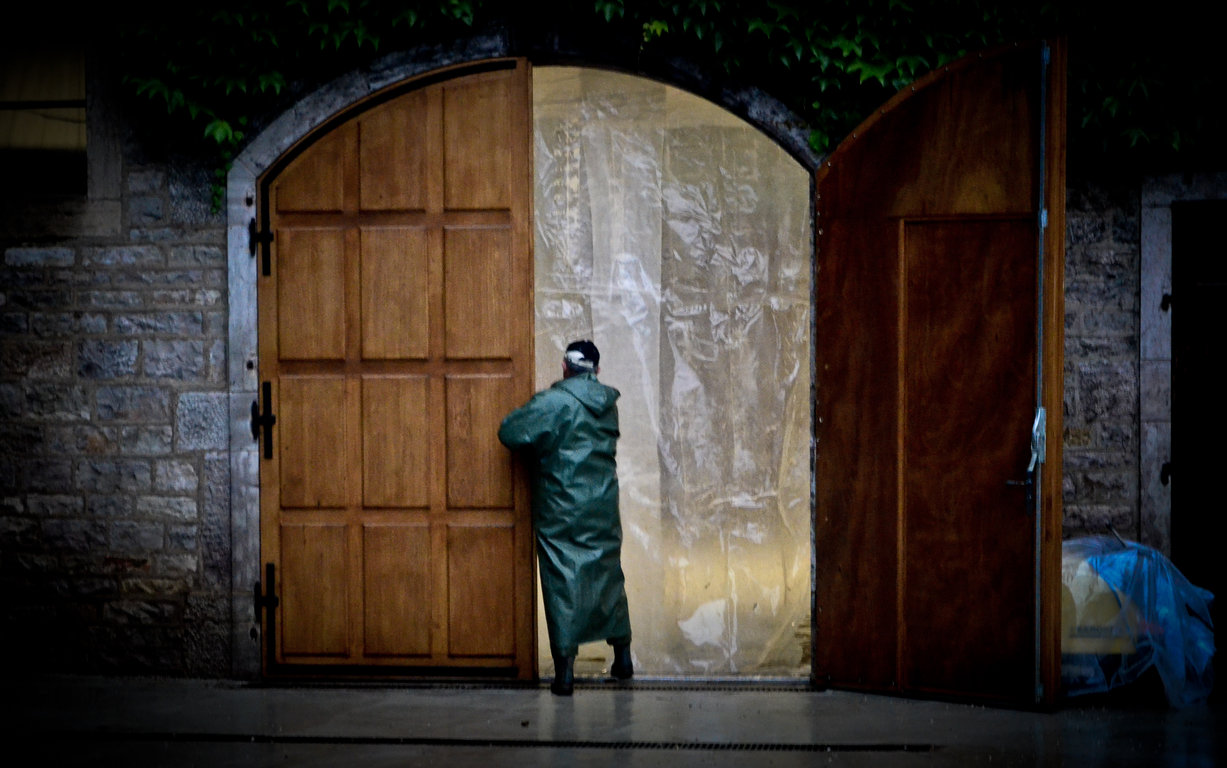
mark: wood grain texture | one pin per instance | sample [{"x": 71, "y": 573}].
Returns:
[
  {"x": 391, "y": 360},
  {"x": 926, "y": 316}
]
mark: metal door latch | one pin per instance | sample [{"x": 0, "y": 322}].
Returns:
[{"x": 1039, "y": 449}]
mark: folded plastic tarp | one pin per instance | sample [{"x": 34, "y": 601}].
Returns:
[{"x": 1125, "y": 608}]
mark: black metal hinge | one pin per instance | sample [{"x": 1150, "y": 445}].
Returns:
[
  {"x": 263, "y": 421},
  {"x": 257, "y": 238},
  {"x": 268, "y": 599}
]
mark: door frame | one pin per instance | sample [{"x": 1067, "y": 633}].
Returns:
[{"x": 282, "y": 134}]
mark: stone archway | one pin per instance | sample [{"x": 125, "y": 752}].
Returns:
[{"x": 242, "y": 194}]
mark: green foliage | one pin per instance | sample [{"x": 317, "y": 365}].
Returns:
[
  {"x": 214, "y": 66},
  {"x": 1135, "y": 92}
]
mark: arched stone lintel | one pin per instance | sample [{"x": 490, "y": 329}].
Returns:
[{"x": 279, "y": 136}]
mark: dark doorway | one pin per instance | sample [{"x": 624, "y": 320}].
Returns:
[{"x": 1199, "y": 415}]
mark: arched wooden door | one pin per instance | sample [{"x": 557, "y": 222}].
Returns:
[
  {"x": 939, "y": 340},
  {"x": 395, "y": 325}
]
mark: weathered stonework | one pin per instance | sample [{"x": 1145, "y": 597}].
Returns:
[{"x": 129, "y": 479}]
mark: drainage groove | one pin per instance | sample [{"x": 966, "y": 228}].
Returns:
[{"x": 690, "y": 746}]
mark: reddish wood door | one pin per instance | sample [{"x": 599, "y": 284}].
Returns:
[
  {"x": 929, "y": 299},
  {"x": 395, "y": 332}
]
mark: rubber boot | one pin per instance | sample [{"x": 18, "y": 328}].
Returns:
[
  {"x": 623, "y": 668},
  {"x": 564, "y": 676}
]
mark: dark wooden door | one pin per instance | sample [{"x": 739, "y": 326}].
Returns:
[
  {"x": 1199, "y": 420},
  {"x": 932, "y": 255},
  {"x": 395, "y": 332}
]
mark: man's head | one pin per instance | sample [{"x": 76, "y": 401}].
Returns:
[{"x": 581, "y": 357}]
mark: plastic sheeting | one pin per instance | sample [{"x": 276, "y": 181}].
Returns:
[
  {"x": 677, "y": 237},
  {"x": 1125, "y": 608}
]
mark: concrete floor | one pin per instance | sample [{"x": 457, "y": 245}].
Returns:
[{"x": 66, "y": 721}]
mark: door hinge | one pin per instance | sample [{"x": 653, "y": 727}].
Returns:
[
  {"x": 262, "y": 421},
  {"x": 258, "y": 238},
  {"x": 263, "y": 600},
  {"x": 1044, "y": 218}
]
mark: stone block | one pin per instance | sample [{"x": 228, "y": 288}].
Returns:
[
  {"x": 145, "y": 181},
  {"x": 114, "y": 475},
  {"x": 201, "y": 422},
  {"x": 184, "y": 564},
  {"x": 19, "y": 533},
  {"x": 140, "y": 612},
  {"x": 46, "y": 475},
  {"x": 37, "y": 359},
  {"x": 102, "y": 359},
  {"x": 1108, "y": 390},
  {"x": 145, "y": 441},
  {"x": 197, "y": 256},
  {"x": 74, "y": 535},
  {"x": 110, "y": 506},
  {"x": 13, "y": 323},
  {"x": 182, "y": 538},
  {"x": 177, "y": 360},
  {"x": 143, "y": 404},
  {"x": 145, "y": 211},
  {"x": 160, "y": 323},
  {"x": 55, "y": 505},
  {"x": 39, "y": 257},
  {"x": 170, "y": 508},
  {"x": 125, "y": 256},
  {"x": 175, "y": 476},
  {"x": 142, "y": 537},
  {"x": 112, "y": 299}
]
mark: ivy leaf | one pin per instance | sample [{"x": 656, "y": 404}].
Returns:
[
  {"x": 655, "y": 28},
  {"x": 220, "y": 131},
  {"x": 870, "y": 70}
]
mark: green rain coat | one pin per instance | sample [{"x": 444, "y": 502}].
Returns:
[{"x": 571, "y": 432}]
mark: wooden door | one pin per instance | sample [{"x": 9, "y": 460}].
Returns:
[
  {"x": 1199, "y": 314},
  {"x": 936, "y": 274},
  {"x": 395, "y": 314}
]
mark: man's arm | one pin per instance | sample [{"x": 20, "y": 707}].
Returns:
[{"x": 530, "y": 425}]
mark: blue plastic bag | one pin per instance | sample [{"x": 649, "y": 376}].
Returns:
[{"x": 1125, "y": 609}]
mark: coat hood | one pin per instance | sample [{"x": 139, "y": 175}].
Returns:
[{"x": 585, "y": 388}]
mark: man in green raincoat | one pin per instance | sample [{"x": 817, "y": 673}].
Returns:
[{"x": 570, "y": 433}]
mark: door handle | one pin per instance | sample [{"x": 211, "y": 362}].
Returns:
[
  {"x": 1038, "y": 450},
  {"x": 1027, "y": 483}
]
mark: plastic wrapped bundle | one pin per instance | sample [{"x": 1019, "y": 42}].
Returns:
[{"x": 1124, "y": 609}]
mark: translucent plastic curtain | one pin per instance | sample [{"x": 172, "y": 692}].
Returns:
[{"x": 677, "y": 237}]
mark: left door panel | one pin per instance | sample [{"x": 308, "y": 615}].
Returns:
[{"x": 395, "y": 325}]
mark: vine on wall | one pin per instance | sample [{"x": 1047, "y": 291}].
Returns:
[{"x": 1134, "y": 88}]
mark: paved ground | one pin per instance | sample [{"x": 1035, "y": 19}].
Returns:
[{"x": 68, "y": 721}]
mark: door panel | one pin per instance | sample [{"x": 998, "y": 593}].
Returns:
[
  {"x": 396, "y": 439},
  {"x": 313, "y": 441},
  {"x": 475, "y": 407},
  {"x": 857, "y": 309},
  {"x": 476, "y": 299},
  {"x": 314, "y": 560},
  {"x": 313, "y": 182},
  {"x": 480, "y": 574},
  {"x": 478, "y": 146},
  {"x": 395, "y": 293},
  {"x": 927, "y": 309},
  {"x": 396, "y": 579},
  {"x": 395, "y": 332},
  {"x": 394, "y": 154},
  {"x": 311, "y": 280},
  {"x": 968, "y": 543}
]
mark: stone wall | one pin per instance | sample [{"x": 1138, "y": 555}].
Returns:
[
  {"x": 114, "y": 471},
  {"x": 1102, "y": 263},
  {"x": 117, "y": 543}
]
